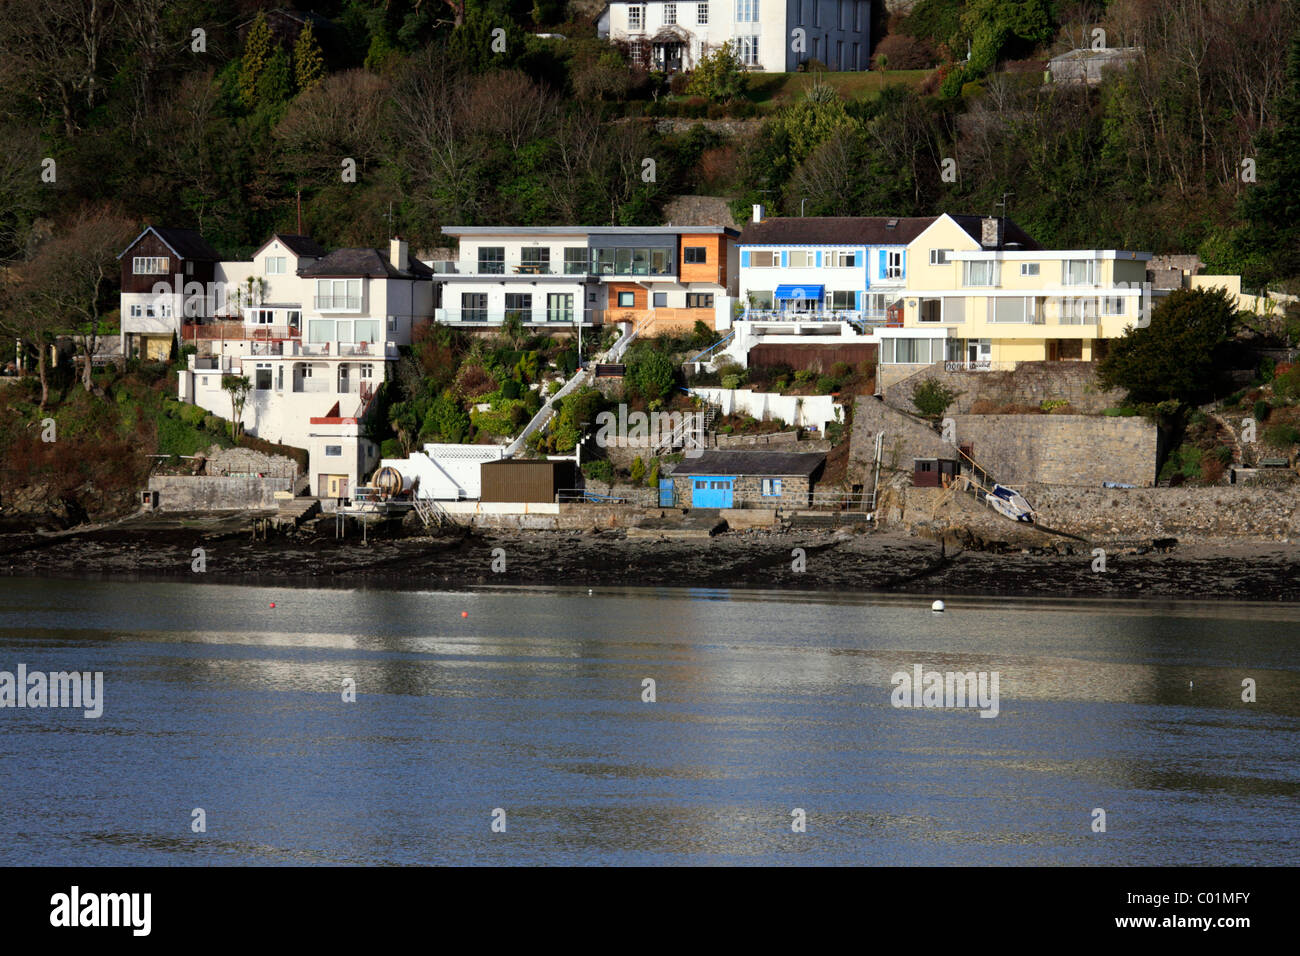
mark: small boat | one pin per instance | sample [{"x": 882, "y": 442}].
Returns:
[{"x": 1009, "y": 502}]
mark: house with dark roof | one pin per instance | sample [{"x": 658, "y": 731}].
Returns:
[
  {"x": 755, "y": 479},
  {"x": 164, "y": 272},
  {"x": 314, "y": 331}
]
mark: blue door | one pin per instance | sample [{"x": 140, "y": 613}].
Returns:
[
  {"x": 712, "y": 491},
  {"x": 665, "y": 492}
]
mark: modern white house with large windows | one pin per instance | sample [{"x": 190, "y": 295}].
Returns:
[
  {"x": 767, "y": 35},
  {"x": 315, "y": 333}
]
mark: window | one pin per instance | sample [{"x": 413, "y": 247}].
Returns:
[
  {"x": 576, "y": 261},
  {"x": 954, "y": 309},
  {"x": 842, "y": 260},
  {"x": 746, "y": 11},
  {"x": 843, "y": 301},
  {"x": 627, "y": 300},
  {"x": 636, "y": 18},
  {"x": 367, "y": 370},
  {"x": 137, "y": 311},
  {"x": 338, "y": 294},
  {"x": 844, "y": 14},
  {"x": 747, "y": 50},
  {"x": 894, "y": 265},
  {"x": 701, "y": 13},
  {"x": 771, "y": 487},
  {"x": 275, "y": 265},
  {"x": 520, "y": 303},
  {"x": 1078, "y": 311},
  {"x": 699, "y": 300},
  {"x": 164, "y": 310},
  {"x": 148, "y": 312},
  {"x": 149, "y": 265},
  {"x": 817, "y": 21},
  {"x": 1012, "y": 309},
  {"x": 320, "y": 330},
  {"x": 875, "y": 304},
  {"x": 189, "y": 268},
  {"x": 333, "y": 451},
  {"x": 670, "y": 14},
  {"x": 279, "y": 377},
  {"x": 978, "y": 273},
  {"x": 559, "y": 307},
  {"x": 1029, "y": 268},
  {"x": 909, "y": 351},
  {"x": 802, "y": 259},
  {"x": 1079, "y": 272},
  {"x": 764, "y": 259},
  {"x": 939, "y": 257},
  {"x": 661, "y": 300},
  {"x": 492, "y": 260},
  {"x": 760, "y": 300},
  {"x": 263, "y": 317},
  {"x": 473, "y": 306},
  {"x": 638, "y": 262},
  {"x": 262, "y": 376},
  {"x": 695, "y": 254},
  {"x": 294, "y": 318},
  {"x": 392, "y": 323},
  {"x": 535, "y": 260},
  {"x": 1112, "y": 305},
  {"x": 931, "y": 310}
]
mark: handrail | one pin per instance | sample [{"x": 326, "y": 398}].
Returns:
[{"x": 722, "y": 341}]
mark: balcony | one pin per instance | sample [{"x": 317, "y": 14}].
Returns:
[
  {"x": 867, "y": 317},
  {"x": 533, "y": 317},
  {"x": 337, "y": 303}
]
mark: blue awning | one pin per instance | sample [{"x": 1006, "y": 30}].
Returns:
[{"x": 799, "y": 292}]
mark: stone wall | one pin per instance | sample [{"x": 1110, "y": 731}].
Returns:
[
  {"x": 1030, "y": 383},
  {"x": 748, "y": 489},
  {"x": 906, "y": 437},
  {"x": 1061, "y": 449},
  {"x": 246, "y": 461},
  {"x": 213, "y": 493}
]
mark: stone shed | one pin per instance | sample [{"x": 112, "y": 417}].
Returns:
[{"x": 739, "y": 479}]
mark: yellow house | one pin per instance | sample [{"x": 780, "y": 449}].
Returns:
[{"x": 989, "y": 303}]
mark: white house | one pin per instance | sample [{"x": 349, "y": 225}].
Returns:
[
  {"x": 314, "y": 332},
  {"x": 767, "y": 35}
]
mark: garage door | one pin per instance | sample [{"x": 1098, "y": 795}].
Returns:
[{"x": 715, "y": 491}]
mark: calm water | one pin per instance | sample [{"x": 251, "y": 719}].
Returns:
[{"x": 533, "y": 704}]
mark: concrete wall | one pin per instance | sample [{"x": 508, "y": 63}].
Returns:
[
  {"x": 806, "y": 411},
  {"x": 1030, "y": 383},
  {"x": 1061, "y": 449},
  {"x": 185, "y": 493},
  {"x": 1128, "y": 513}
]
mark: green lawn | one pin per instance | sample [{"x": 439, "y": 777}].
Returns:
[{"x": 774, "y": 90}]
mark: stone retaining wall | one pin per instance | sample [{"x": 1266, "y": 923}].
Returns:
[
  {"x": 1061, "y": 449},
  {"x": 1029, "y": 383}
]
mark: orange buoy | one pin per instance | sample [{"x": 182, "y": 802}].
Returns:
[{"x": 464, "y": 613}]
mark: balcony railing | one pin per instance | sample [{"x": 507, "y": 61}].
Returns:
[
  {"x": 532, "y": 317},
  {"x": 338, "y": 303},
  {"x": 858, "y": 317}
]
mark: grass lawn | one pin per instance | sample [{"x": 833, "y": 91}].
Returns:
[{"x": 772, "y": 91}]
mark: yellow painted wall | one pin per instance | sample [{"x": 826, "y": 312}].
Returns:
[{"x": 157, "y": 347}]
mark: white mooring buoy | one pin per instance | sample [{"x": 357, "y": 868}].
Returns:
[{"x": 937, "y": 607}]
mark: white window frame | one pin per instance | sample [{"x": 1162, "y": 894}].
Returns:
[
  {"x": 841, "y": 259},
  {"x": 808, "y": 259},
  {"x": 636, "y": 17},
  {"x": 137, "y": 312},
  {"x": 1113, "y": 305},
  {"x": 1092, "y": 271},
  {"x": 670, "y": 14},
  {"x": 150, "y": 265},
  {"x": 1029, "y": 269},
  {"x": 702, "y": 14},
  {"x": 894, "y": 264},
  {"x": 746, "y": 11},
  {"x": 747, "y": 50},
  {"x": 939, "y": 257},
  {"x": 770, "y": 488},
  {"x": 968, "y": 280},
  {"x": 775, "y": 263},
  {"x": 276, "y": 265}
]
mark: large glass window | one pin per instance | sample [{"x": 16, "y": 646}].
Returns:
[
  {"x": 764, "y": 259},
  {"x": 473, "y": 307},
  {"x": 320, "y": 330},
  {"x": 492, "y": 259},
  {"x": 760, "y": 300},
  {"x": 535, "y": 260},
  {"x": 577, "y": 261},
  {"x": 262, "y": 376},
  {"x": 843, "y": 301},
  {"x": 802, "y": 259},
  {"x": 699, "y": 300},
  {"x": 696, "y": 255},
  {"x": 1011, "y": 309},
  {"x": 365, "y": 330},
  {"x": 628, "y": 261},
  {"x": 1078, "y": 311},
  {"x": 149, "y": 265},
  {"x": 559, "y": 307},
  {"x": 520, "y": 304},
  {"x": 979, "y": 273},
  {"x": 333, "y": 295},
  {"x": 1079, "y": 272}
]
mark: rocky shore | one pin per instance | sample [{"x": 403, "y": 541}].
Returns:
[{"x": 844, "y": 560}]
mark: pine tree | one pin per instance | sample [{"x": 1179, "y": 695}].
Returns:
[
  {"x": 257, "y": 51},
  {"x": 1271, "y": 207},
  {"x": 308, "y": 60}
]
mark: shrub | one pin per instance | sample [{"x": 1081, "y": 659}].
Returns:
[
  {"x": 901, "y": 52},
  {"x": 599, "y": 470},
  {"x": 1286, "y": 381},
  {"x": 1282, "y": 435},
  {"x": 652, "y": 476},
  {"x": 1185, "y": 461},
  {"x": 826, "y": 385},
  {"x": 390, "y": 448},
  {"x": 193, "y": 415},
  {"x": 510, "y": 389},
  {"x": 637, "y": 471},
  {"x": 1050, "y": 405},
  {"x": 1224, "y": 454},
  {"x": 731, "y": 381},
  {"x": 842, "y": 370},
  {"x": 1261, "y": 410},
  {"x": 932, "y": 398},
  {"x": 1212, "y": 469},
  {"x": 804, "y": 376},
  {"x": 215, "y": 424}
]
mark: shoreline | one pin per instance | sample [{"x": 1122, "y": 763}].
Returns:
[{"x": 879, "y": 562}]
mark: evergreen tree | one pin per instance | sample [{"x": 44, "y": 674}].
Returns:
[
  {"x": 257, "y": 52},
  {"x": 1271, "y": 206},
  {"x": 308, "y": 60}
]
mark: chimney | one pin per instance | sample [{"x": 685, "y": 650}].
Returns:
[
  {"x": 991, "y": 232},
  {"x": 397, "y": 253},
  {"x": 758, "y": 212}
]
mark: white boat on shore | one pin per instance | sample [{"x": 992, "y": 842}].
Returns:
[{"x": 1009, "y": 502}]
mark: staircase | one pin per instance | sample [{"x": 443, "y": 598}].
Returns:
[
  {"x": 432, "y": 514},
  {"x": 294, "y": 511}
]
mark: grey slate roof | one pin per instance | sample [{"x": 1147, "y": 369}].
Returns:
[
  {"x": 776, "y": 463},
  {"x": 301, "y": 245},
  {"x": 862, "y": 230},
  {"x": 369, "y": 263},
  {"x": 186, "y": 243}
]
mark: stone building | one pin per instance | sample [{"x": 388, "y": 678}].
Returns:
[{"x": 737, "y": 479}]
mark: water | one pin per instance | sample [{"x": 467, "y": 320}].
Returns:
[{"x": 532, "y": 704}]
